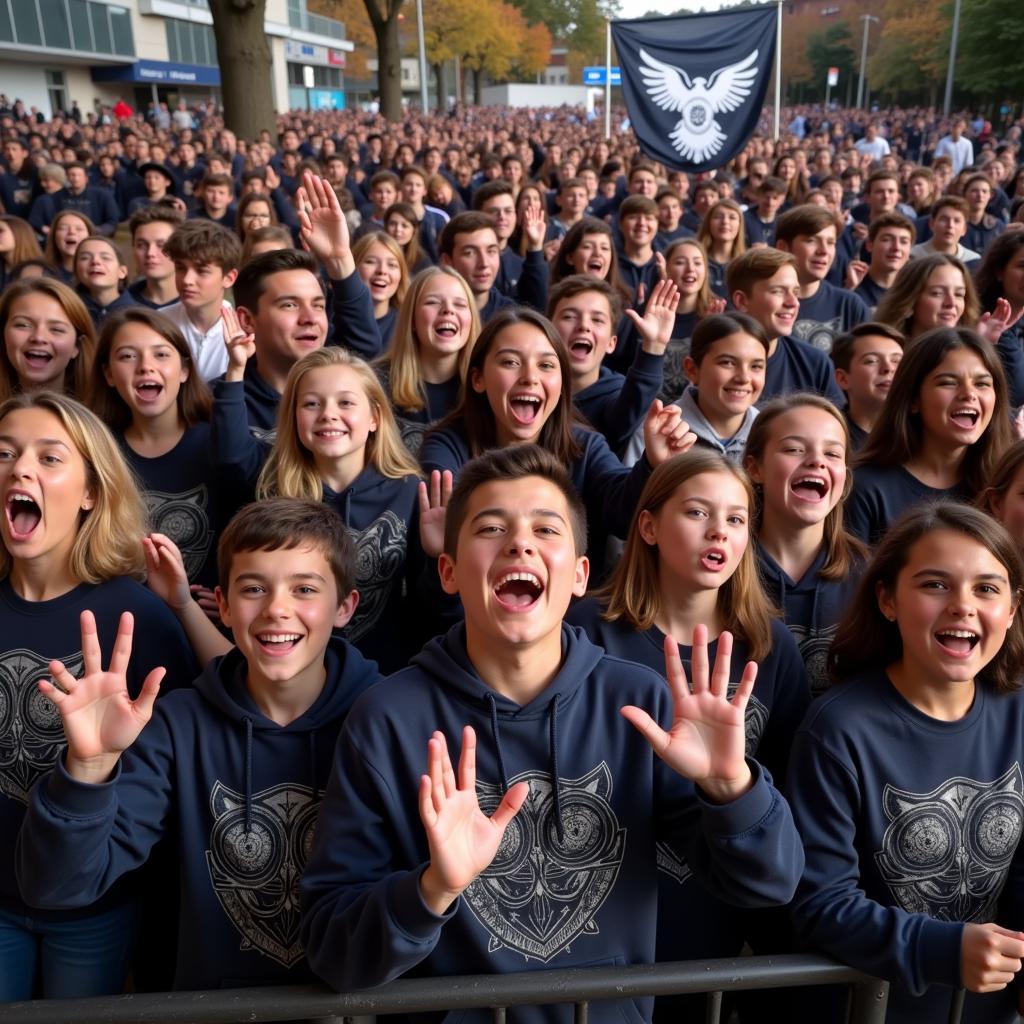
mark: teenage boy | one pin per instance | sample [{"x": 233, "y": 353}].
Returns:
[
  {"x": 888, "y": 246},
  {"x": 585, "y": 311},
  {"x": 638, "y": 222},
  {"x": 982, "y": 226},
  {"x": 497, "y": 200},
  {"x": 573, "y": 200},
  {"x": 215, "y": 195},
  {"x": 948, "y": 223},
  {"x": 432, "y": 221},
  {"x": 151, "y": 228},
  {"x": 956, "y": 147},
  {"x": 670, "y": 216},
  {"x": 865, "y": 360},
  {"x": 809, "y": 234},
  {"x": 556, "y": 802},
  {"x": 383, "y": 192},
  {"x": 19, "y": 181},
  {"x": 206, "y": 258},
  {"x": 230, "y": 769},
  {"x": 763, "y": 283},
  {"x": 469, "y": 243},
  {"x": 759, "y": 221},
  {"x": 705, "y": 195},
  {"x": 158, "y": 183},
  {"x": 98, "y": 204}
]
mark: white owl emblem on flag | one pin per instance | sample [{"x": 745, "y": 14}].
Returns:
[{"x": 697, "y": 136}]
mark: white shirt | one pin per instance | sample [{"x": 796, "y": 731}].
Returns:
[
  {"x": 961, "y": 152},
  {"x": 876, "y": 149},
  {"x": 209, "y": 353}
]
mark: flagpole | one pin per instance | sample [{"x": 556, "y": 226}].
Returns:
[
  {"x": 608, "y": 79},
  {"x": 778, "y": 67}
]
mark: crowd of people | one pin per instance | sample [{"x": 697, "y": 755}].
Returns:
[{"x": 467, "y": 546}]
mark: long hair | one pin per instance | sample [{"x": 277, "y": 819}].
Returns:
[
  {"x": 997, "y": 256},
  {"x": 633, "y": 593},
  {"x": 362, "y": 247},
  {"x": 76, "y": 373},
  {"x": 290, "y": 470},
  {"x": 411, "y": 250},
  {"x": 195, "y": 401},
  {"x": 897, "y": 306},
  {"x": 108, "y": 542},
  {"x": 244, "y": 203},
  {"x": 704, "y": 296},
  {"x": 704, "y": 236},
  {"x": 402, "y": 360},
  {"x": 53, "y": 255},
  {"x": 25, "y": 245},
  {"x": 867, "y": 641},
  {"x": 474, "y": 414},
  {"x": 1003, "y": 475},
  {"x": 562, "y": 268},
  {"x": 898, "y": 435},
  {"x": 843, "y": 549}
]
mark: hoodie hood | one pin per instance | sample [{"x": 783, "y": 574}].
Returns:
[
  {"x": 261, "y": 400},
  {"x": 369, "y": 494},
  {"x": 609, "y": 382},
  {"x": 731, "y": 447}
]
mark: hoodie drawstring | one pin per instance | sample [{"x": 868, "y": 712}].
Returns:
[
  {"x": 248, "y": 773},
  {"x": 497, "y": 743},
  {"x": 314, "y": 785}
]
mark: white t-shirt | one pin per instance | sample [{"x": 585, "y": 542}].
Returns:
[{"x": 209, "y": 352}]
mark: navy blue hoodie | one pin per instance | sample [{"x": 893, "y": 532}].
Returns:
[
  {"x": 575, "y": 880},
  {"x": 911, "y": 826},
  {"x": 797, "y": 366},
  {"x": 413, "y": 424},
  {"x": 238, "y": 793}
]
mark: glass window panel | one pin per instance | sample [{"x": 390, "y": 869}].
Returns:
[
  {"x": 55, "y": 24},
  {"x": 6, "y": 25},
  {"x": 26, "y": 23},
  {"x": 100, "y": 28},
  {"x": 121, "y": 30},
  {"x": 81, "y": 30},
  {"x": 211, "y": 45}
]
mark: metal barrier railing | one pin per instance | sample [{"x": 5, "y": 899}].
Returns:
[{"x": 496, "y": 992}]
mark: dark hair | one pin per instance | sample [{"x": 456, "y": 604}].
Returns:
[
  {"x": 162, "y": 213},
  {"x": 867, "y": 641},
  {"x": 464, "y": 224},
  {"x": 807, "y": 219},
  {"x": 195, "y": 401},
  {"x": 1001, "y": 480},
  {"x": 252, "y": 278},
  {"x": 636, "y": 205},
  {"x": 891, "y": 220},
  {"x": 898, "y": 434},
  {"x": 562, "y": 268},
  {"x": 284, "y": 524},
  {"x": 577, "y": 284},
  {"x": 998, "y": 254},
  {"x": 249, "y": 199},
  {"x": 844, "y": 344},
  {"x": 514, "y": 463},
  {"x": 203, "y": 241},
  {"x": 712, "y": 329},
  {"x": 957, "y": 203},
  {"x": 490, "y": 189}
]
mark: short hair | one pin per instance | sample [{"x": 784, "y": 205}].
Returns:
[
  {"x": 413, "y": 169},
  {"x": 641, "y": 165},
  {"x": 385, "y": 178},
  {"x": 568, "y": 183},
  {"x": 155, "y": 213},
  {"x": 464, "y": 224},
  {"x": 757, "y": 264},
  {"x": 284, "y": 524},
  {"x": 578, "y": 284},
  {"x": 891, "y": 220},
  {"x": 203, "y": 241},
  {"x": 844, "y": 344},
  {"x": 276, "y": 233},
  {"x": 806, "y": 219},
  {"x": 948, "y": 201},
  {"x": 880, "y": 175},
  {"x": 977, "y": 176},
  {"x": 1003, "y": 476},
  {"x": 252, "y": 278},
  {"x": 490, "y": 189},
  {"x": 218, "y": 179},
  {"x": 712, "y": 329},
  {"x": 635, "y": 205},
  {"x": 513, "y": 463},
  {"x": 773, "y": 185},
  {"x": 705, "y": 186},
  {"x": 665, "y": 192},
  {"x": 72, "y": 165}
]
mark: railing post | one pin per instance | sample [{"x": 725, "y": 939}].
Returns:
[
  {"x": 582, "y": 1010},
  {"x": 713, "y": 1013},
  {"x": 956, "y": 1007},
  {"x": 869, "y": 1001}
]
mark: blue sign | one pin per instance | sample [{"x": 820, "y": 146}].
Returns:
[
  {"x": 159, "y": 71},
  {"x": 327, "y": 99},
  {"x": 596, "y": 76}
]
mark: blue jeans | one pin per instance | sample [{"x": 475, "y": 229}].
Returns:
[{"x": 72, "y": 959}]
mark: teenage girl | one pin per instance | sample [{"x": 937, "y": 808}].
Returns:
[
  {"x": 381, "y": 265},
  {"x": 17, "y": 244},
  {"x": 724, "y": 238},
  {"x": 688, "y": 572},
  {"x": 905, "y": 780},
  {"x": 425, "y": 369},
  {"x": 100, "y": 273},
  {"x": 402, "y": 224},
  {"x": 797, "y": 455},
  {"x": 589, "y": 248},
  {"x": 337, "y": 441},
  {"x": 1003, "y": 498},
  {"x": 48, "y": 338},
  {"x": 940, "y": 432},
  {"x": 71, "y": 528},
  {"x": 67, "y": 229},
  {"x": 518, "y": 392},
  {"x": 144, "y": 386},
  {"x": 255, "y": 211}
]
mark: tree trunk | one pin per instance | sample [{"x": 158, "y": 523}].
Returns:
[
  {"x": 389, "y": 62},
  {"x": 439, "y": 74},
  {"x": 478, "y": 85},
  {"x": 243, "y": 54}
]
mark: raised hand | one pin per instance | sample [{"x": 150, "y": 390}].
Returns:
[
  {"x": 100, "y": 719},
  {"x": 534, "y": 227},
  {"x": 240, "y": 344},
  {"x": 659, "y": 262},
  {"x": 666, "y": 433},
  {"x": 706, "y": 742},
  {"x": 715, "y": 306},
  {"x": 990, "y": 957},
  {"x": 992, "y": 326},
  {"x": 165, "y": 572},
  {"x": 433, "y": 507},
  {"x": 323, "y": 227},
  {"x": 656, "y": 325},
  {"x": 462, "y": 839},
  {"x": 856, "y": 270},
  {"x": 271, "y": 177}
]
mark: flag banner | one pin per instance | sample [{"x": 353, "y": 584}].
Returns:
[{"x": 695, "y": 84}]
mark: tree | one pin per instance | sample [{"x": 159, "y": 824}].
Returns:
[
  {"x": 990, "y": 47},
  {"x": 912, "y": 50},
  {"x": 357, "y": 28},
  {"x": 244, "y": 58},
  {"x": 831, "y": 48}
]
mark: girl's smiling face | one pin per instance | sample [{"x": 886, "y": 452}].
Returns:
[
  {"x": 723, "y": 224},
  {"x": 942, "y": 300},
  {"x": 522, "y": 379},
  {"x": 40, "y": 341},
  {"x": 146, "y": 370},
  {"x": 333, "y": 416},
  {"x": 381, "y": 271},
  {"x": 443, "y": 318},
  {"x": 687, "y": 269},
  {"x": 592, "y": 256},
  {"x": 70, "y": 230},
  {"x": 956, "y": 400}
]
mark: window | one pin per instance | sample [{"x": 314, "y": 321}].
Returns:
[
  {"x": 190, "y": 43},
  {"x": 121, "y": 31},
  {"x": 323, "y": 78},
  {"x": 26, "y": 24},
  {"x": 101, "y": 28},
  {"x": 56, "y": 90},
  {"x": 55, "y": 24},
  {"x": 81, "y": 30}
]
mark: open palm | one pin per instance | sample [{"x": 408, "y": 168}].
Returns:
[{"x": 323, "y": 227}]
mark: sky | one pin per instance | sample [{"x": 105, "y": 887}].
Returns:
[{"x": 638, "y": 8}]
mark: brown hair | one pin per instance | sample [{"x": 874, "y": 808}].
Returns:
[
  {"x": 250, "y": 199},
  {"x": 739, "y": 243},
  {"x": 891, "y": 220},
  {"x": 464, "y": 224},
  {"x": 633, "y": 205},
  {"x": 844, "y": 344},
  {"x": 276, "y": 233},
  {"x": 898, "y": 303},
  {"x": 578, "y": 284},
  {"x": 757, "y": 264},
  {"x": 561, "y": 268},
  {"x": 202, "y": 241},
  {"x": 712, "y": 329},
  {"x": 155, "y": 213},
  {"x": 25, "y": 245},
  {"x": 382, "y": 238},
  {"x": 1003, "y": 474},
  {"x": 51, "y": 252},
  {"x": 807, "y": 219}
]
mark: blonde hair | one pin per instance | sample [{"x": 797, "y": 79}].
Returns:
[
  {"x": 704, "y": 296},
  {"x": 362, "y": 247},
  {"x": 739, "y": 243},
  {"x": 108, "y": 543},
  {"x": 290, "y": 471},
  {"x": 633, "y": 592},
  {"x": 402, "y": 360}
]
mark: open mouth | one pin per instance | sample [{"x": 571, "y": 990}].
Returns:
[
  {"x": 38, "y": 358},
  {"x": 713, "y": 560},
  {"x": 149, "y": 390},
  {"x": 278, "y": 643},
  {"x": 525, "y": 408},
  {"x": 595, "y": 266},
  {"x": 965, "y": 419},
  {"x": 518, "y": 591},
  {"x": 580, "y": 348},
  {"x": 810, "y": 488},
  {"x": 23, "y": 515},
  {"x": 959, "y": 642},
  {"x": 380, "y": 283},
  {"x": 446, "y": 330}
]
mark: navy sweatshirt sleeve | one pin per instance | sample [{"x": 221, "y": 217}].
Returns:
[
  {"x": 1010, "y": 349},
  {"x": 620, "y": 413},
  {"x": 532, "y": 286},
  {"x": 609, "y": 490},
  {"x": 352, "y": 321},
  {"x": 234, "y": 450},
  {"x": 444, "y": 449}
]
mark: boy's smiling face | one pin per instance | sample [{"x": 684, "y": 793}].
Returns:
[
  {"x": 516, "y": 565},
  {"x": 281, "y": 607}
]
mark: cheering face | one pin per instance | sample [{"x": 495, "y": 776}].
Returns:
[
  {"x": 443, "y": 319},
  {"x": 687, "y": 270},
  {"x": 40, "y": 341},
  {"x": 146, "y": 370},
  {"x": 476, "y": 256},
  {"x": 730, "y": 377},
  {"x": 773, "y": 302},
  {"x": 70, "y": 230},
  {"x": 814, "y": 253},
  {"x": 956, "y": 400},
  {"x": 585, "y": 323},
  {"x": 333, "y": 416},
  {"x": 290, "y": 319},
  {"x": 890, "y": 250},
  {"x": 97, "y": 266},
  {"x": 381, "y": 271},
  {"x": 592, "y": 256}
]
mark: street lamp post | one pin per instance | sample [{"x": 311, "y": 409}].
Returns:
[
  {"x": 948, "y": 101},
  {"x": 867, "y": 19},
  {"x": 423, "y": 58}
]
